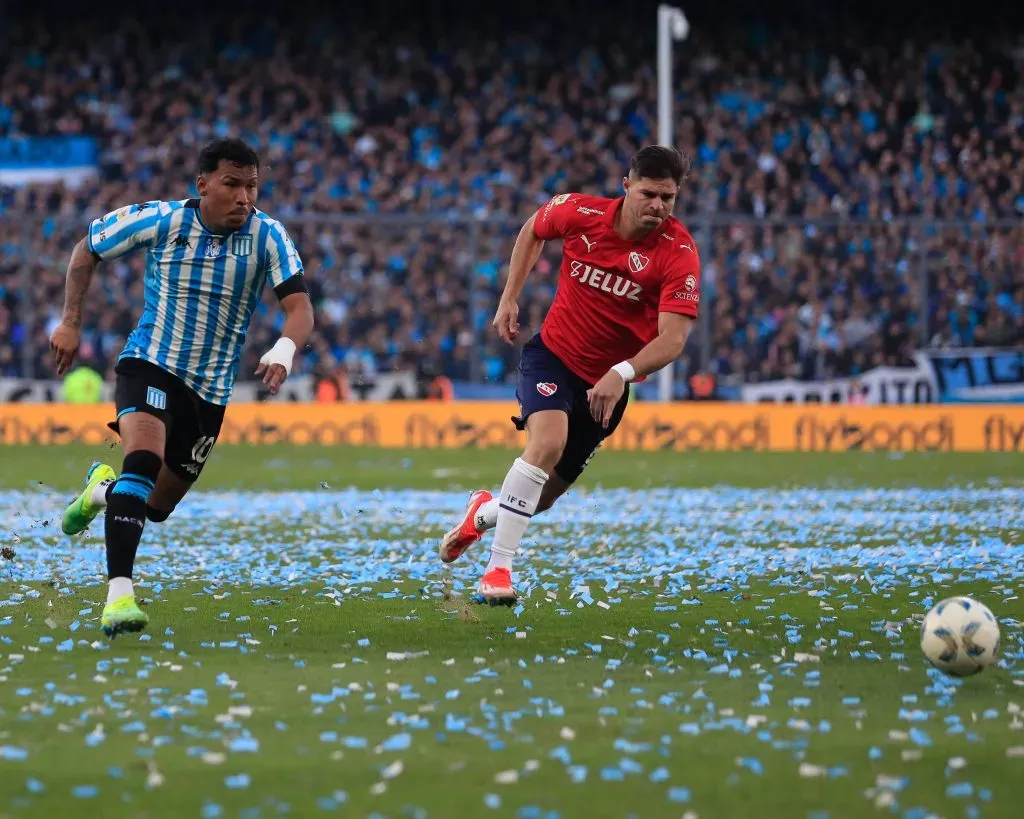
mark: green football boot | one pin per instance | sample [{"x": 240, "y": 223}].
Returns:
[
  {"x": 82, "y": 510},
  {"x": 123, "y": 615}
]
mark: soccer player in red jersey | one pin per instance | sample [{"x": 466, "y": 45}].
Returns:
[{"x": 628, "y": 292}]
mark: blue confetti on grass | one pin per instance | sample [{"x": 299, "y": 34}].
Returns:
[
  {"x": 691, "y": 551},
  {"x": 398, "y": 742},
  {"x": 752, "y": 765},
  {"x": 244, "y": 745},
  {"x": 798, "y": 517},
  {"x": 84, "y": 791}
]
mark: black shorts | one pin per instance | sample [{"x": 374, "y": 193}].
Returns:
[
  {"x": 192, "y": 423},
  {"x": 545, "y": 383}
]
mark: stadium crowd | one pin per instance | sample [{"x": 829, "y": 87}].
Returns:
[{"x": 852, "y": 198}]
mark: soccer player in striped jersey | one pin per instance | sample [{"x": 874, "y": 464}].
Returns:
[{"x": 207, "y": 263}]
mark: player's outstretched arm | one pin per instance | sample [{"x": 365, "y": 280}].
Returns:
[
  {"x": 663, "y": 349},
  {"x": 276, "y": 364},
  {"x": 65, "y": 338},
  {"x": 525, "y": 253}
]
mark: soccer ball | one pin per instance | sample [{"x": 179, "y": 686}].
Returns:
[{"x": 960, "y": 636}]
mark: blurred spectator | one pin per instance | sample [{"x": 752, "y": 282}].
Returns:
[
  {"x": 808, "y": 155},
  {"x": 83, "y": 385}
]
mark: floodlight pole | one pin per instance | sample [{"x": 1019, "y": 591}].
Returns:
[{"x": 672, "y": 26}]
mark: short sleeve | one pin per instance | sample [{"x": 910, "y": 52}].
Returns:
[
  {"x": 554, "y": 220},
  {"x": 680, "y": 291},
  {"x": 283, "y": 262},
  {"x": 126, "y": 228}
]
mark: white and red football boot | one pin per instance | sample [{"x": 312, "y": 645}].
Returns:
[
  {"x": 495, "y": 589},
  {"x": 468, "y": 530}
]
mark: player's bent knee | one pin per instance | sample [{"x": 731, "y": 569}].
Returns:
[
  {"x": 544, "y": 453},
  {"x": 547, "y": 433},
  {"x": 157, "y": 515},
  {"x": 170, "y": 489}
]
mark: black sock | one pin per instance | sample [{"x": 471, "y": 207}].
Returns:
[{"x": 126, "y": 510}]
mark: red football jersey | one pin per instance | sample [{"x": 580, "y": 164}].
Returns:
[{"x": 610, "y": 289}]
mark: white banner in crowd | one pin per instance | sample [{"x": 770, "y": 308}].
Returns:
[{"x": 982, "y": 375}]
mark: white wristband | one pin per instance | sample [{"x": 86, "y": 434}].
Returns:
[
  {"x": 283, "y": 352},
  {"x": 625, "y": 369}
]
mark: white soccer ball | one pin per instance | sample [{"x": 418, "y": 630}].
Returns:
[{"x": 960, "y": 636}]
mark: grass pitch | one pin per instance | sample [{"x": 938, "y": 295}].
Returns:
[{"x": 713, "y": 635}]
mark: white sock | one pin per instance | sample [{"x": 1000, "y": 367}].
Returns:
[
  {"x": 487, "y": 515},
  {"x": 119, "y": 587},
  {"x": 518, "y": 500},
  {"x": 98, "y": 496}
]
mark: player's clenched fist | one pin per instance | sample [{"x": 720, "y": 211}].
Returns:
[
  {"x": 64, "y": 344},
  {"x": 506, "y": 321}
]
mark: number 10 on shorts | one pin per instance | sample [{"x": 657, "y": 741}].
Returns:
[{"x": 201, "y": 450}]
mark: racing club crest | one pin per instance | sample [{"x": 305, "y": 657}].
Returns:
[{"x": 241, "y": 244}]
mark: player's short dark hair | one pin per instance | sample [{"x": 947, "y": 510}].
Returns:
[
  {"x": 659, "y": 162},
  {"x": 232, "y": 150}
]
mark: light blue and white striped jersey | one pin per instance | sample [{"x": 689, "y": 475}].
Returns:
[{"x": 201, "y": 286}]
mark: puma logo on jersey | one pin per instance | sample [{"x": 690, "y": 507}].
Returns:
[
  {"x": 687, "y": 247},
  {"x": 587, "y": 241},
  {"x": 604, "y": 281}
]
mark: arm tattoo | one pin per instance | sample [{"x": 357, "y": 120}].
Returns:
[{"x": 80, "y": 268}]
